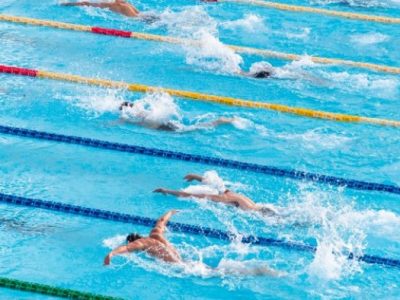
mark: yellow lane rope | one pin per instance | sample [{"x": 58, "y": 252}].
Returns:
[
  {"x": 328, "y": 12},
  {"x": 176, "y": 40},
  {"x": 218, "y": 99}
]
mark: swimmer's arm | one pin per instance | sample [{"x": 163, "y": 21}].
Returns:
[
  {"x": 86, "y": 3},
  {"x": 180, "y": 193},
  {"x": 162, "y": 223},
  {"x": 135, "y": 246},
  {"x": 214, "y": 198},
  {"x": 191, "y": 177}
]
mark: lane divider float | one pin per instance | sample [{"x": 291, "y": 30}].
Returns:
[
  {"x": 206, "y": 160},
  {"x": 176, "y": 40},
  {"x": 314, "y": 10},
  {"x": 49, "y": 290},
  {"x": 141, "y": 88},
  {"x": 180, "y": 227}
]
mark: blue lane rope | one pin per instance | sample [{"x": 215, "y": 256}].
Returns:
[
  {"x": 179, "y": 227},
  {"x": 218, "y": 162}
]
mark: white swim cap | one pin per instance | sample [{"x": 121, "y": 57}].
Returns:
[{"x": 212, "y": 179}]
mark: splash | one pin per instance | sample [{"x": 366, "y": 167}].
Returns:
[
  {"x": 213, "y": 184},
  {"x": 249, "y": 23},
  {"x": 338, "y": 228},
  {"x": 212, "y": 179},
  {"x": 335, "y": 239},
  {"x": 183, "y": 23},
  {"x": 154, "y": 109},
  {"x": 249, "y": 125},
  {"x": 98, "y": 102},
  {"x": 211, "y": 54},
  {"x": 208, "y": 52},
  {"x": 114, "y": 242}
]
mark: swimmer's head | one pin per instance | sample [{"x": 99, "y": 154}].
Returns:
[
  {"x": 267, "y": 210},
  {"x": 133, "y": 237},
  {"x": 262, "y": 74},
  {"x": 125, "y": 104},
  {"x": 261, "y": 69}
]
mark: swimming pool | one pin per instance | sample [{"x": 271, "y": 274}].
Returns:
[{"x": 67, "y": 251}]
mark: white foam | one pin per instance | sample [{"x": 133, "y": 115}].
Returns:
[
  {"x": 374, "y": 84},
  {"x": 339, "y": 229},
  {"x": 362, "y": 3},
  {"x": 242, "y": 123},
  {"x": 261, "y": 66},
  {"x": 295, "y": 69},
  {"x": 316, "y": 140},
  {"x": 369, "y": 38},
  {"x": 208, "y": 52},
  {"x": 380, "y": 223},
  {"x": 154, "y": 109},
  {"x": 114, "y": 242},
  {"x": 186, "y": 21},
  {"x": 211, "y": 54},
  {"x": 249, "y": 23}
]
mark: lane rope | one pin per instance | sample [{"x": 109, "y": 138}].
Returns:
[
  {"x": 176, "y": 40},
  {"x": 49, "y": 290},
  {"x": 141, "y": 88},
  {"x": 321, "y": 11},
  {"x": 180, "y": 227},
  {"x": 207, "y": 160}
]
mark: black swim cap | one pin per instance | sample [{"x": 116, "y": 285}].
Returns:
[
  {"x": 125, "y": 103},
  {"x": 262, "y": 74},
  {"x": 133, "y": 237}
]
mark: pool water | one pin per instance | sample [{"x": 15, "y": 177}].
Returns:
[{"x": 67, "y": 251}]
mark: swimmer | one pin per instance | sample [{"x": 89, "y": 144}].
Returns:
[
  {"x": 118, "y": 6},
  {"x": 264, "y": 70},
  {"x": 157, "y": 246},
  {"x": 140, "y": 118},
  {"x": 226, "y": 197}
]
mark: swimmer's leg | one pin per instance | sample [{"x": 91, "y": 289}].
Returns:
[{"x": 218, "y": 122}]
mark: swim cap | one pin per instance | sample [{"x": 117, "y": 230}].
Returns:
[
  {"x": 133, "y": 237},
  {"x": 212, "y": 179},
  {"x": 261, "y": 68}
]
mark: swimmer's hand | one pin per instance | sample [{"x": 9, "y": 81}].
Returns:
[
  {"x": 107, "y": 259},
  {"x": 161, "y": 191}
]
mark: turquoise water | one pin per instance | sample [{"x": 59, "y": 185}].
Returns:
[{"x": 67, "y": 251}]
